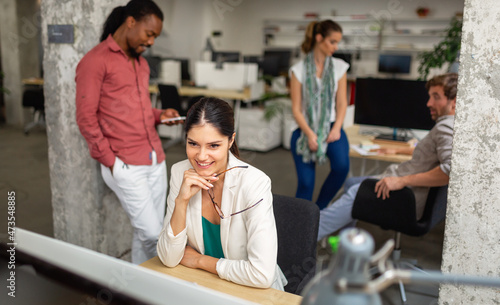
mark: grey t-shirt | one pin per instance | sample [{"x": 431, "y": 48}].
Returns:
[{"x": 433, "y": 150}]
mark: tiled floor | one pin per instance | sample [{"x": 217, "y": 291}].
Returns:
[{"x": 24, "y": 169}]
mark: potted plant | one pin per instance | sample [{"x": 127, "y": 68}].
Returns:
[
  {"x": 272, "y": 100},
  {"x": 278, "y": 104},
  {"x": 444, "y": 52},
  {"x": 260, "y": 128}
]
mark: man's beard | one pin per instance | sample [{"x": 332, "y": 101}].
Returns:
[{"x": 134, "y": 53}]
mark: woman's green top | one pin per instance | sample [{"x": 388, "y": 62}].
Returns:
[{"x": 211, "y": 239}]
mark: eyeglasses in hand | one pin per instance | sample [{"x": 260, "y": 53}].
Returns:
[{"x": 216, "y": 206}]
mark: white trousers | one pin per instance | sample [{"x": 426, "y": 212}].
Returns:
[{"x": 142, "y": 191}]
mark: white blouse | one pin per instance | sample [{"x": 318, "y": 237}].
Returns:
[{"x": 340, "y": 68}]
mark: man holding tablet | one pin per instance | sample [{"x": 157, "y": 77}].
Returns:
[{"x": 115, "y": 116}]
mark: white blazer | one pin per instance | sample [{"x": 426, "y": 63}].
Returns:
[{"x": 249, "y": 240}]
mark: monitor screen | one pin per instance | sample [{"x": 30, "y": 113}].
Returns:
[
  {"x": 276, "y": 62},
  {"x": 154, "y": 63},
  {"x": 347, "y": 57},
  {"x": 256, "y": 59},
  {"x": 394, "y": 63},
  {"x": 70, "y": 274},
  {"x": 185, "y": 75},
  {"x": 226, "y": 56},
  {"x": 392, "y": 103}
]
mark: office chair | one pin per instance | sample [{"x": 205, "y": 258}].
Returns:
[
  {"x": 398, "y": 213},
  {"x": 297, "y": 222},
  {"x": 170, "y": 98},
  {"x": 34, "y": 98}
]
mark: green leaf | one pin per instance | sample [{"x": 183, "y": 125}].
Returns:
[{"x": 444, "y": 52}]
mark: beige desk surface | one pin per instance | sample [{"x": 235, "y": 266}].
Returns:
[
  {"x": 33, "y": 81},
  {"x": 219, "y": 93},
  {"x": 183, "y": 91},
  {"x": 355, "y": 138},
  {"x": 261, "y": 296}
]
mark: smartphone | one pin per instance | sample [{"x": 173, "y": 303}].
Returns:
[{"x": 179, "y": 118}]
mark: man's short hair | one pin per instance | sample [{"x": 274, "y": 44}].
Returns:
[{"x": 448, "y": 81}]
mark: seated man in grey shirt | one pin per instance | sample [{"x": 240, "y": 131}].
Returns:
[{"x": 429, "y": 166}]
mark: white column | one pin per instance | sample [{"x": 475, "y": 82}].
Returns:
[
  {"x": 85, "y": 210},
  {"x": 10, "y": 41},
  {"x": 472, "y": 234}
]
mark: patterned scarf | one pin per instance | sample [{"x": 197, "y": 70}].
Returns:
[{"x": 318, "y": 107}]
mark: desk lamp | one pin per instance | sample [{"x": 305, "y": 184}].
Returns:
[
  {"x": 347, "y": 280},
  {"x": 206, "y": 53},
  {"x": 220, "y": 59}
]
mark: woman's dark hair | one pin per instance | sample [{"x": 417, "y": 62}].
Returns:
[
  {"x": 449, "y": 83},
  {"x": 324, "y": 28},
  {"x": 216, "y": 112},
  {"x": 135, "y": 8}
]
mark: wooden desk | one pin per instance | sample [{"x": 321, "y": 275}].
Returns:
[
  {"x": 212, "y": 281},
  {"x": 355, "y": 138},
  {"x": 235, "y": 95},
  {"x": 222, "y": 94},
  {"x": 219, "y": 93},
  {"x": 33, "y": 81},
  {"x": 183, "y": 91}
]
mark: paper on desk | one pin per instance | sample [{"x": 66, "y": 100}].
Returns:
[{"x": 364, "y": 150}]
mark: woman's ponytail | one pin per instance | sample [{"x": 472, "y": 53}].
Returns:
[
  {"x": 308, "y": 43},
  {"x": 234, "y": 149},
  {"x": 324, "y": 28},
  {"x": 114, "y": 21}
]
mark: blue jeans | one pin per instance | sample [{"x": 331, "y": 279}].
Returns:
[
  {"x": 338, "y": 154},
  {"x": 338, "y": 215}
]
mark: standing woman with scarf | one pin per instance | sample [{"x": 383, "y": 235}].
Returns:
[{"x": 319, "y": 102}]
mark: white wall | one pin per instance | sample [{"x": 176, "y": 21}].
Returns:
[
  {"x": 243, "y": 25},
  {"x": 241, "y": 21},
  {"x": 20, "y": 39},
  {"x": 184, "y": 28}
]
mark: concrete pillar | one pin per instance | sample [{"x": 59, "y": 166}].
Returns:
[
  {"x": 472, "y": 234},
  {"x": 85, "y": 211},
  {"x": 10, "y": 41},
  {"x": 29, "y": 23}
]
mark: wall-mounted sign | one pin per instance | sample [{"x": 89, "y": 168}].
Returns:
[{"x": 61, "y": 33}]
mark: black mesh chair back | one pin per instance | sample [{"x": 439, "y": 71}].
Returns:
[
  {"x": 297, "y": 222},
  {"x": 398, "y": 212},
  {"x": 170, "y": 98}
]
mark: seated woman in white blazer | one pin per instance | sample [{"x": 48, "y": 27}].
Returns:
[{"x": 220, "y": 209}]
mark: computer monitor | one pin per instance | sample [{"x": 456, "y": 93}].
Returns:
[
  {"x": 270, "y": 66},
  {"x": 185, "y": 75},
  {"x": 256, "y": 59},
  {"x": 154, "y": 63},
  {"x": 276, "y": 62},
  {"x": 347, "y": 57},
  {"x": 392, "y": 103},
  {"x": 95, "y": 278},
  {"x": 395, "y": 64},
  {"x": 226, "y": 56}
]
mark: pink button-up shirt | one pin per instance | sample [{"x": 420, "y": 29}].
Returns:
[{"x": 113, "y": 107}]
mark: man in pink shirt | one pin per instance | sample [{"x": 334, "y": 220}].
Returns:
[{"x": 115, "y": 116}]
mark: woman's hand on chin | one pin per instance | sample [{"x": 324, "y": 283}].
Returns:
[{"x": 192, "y": 183}]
